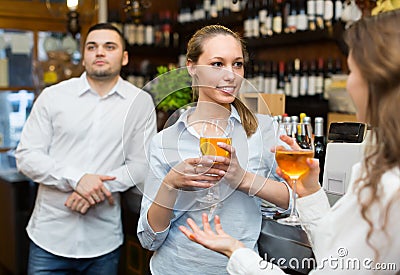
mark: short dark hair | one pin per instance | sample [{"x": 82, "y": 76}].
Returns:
[{"x": 108, "y": 26}]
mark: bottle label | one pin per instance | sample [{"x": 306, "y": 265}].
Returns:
[
  {"x": 328, "y": 11},
  {"x": 277, "y": 24},
  {"x": 295, "y": 86},
  {"x": 311, "y": 85},
  {"x": 302, "y": 22},
  {"x": 303, "y": 85}
]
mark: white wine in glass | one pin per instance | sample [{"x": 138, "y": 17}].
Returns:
[
  {"x": 213, "y": 131},
  {"x": 292, "y": 159}
]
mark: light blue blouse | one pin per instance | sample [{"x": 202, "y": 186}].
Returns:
[{"x": 240, "y": 213}]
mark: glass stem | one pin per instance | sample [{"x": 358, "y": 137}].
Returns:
[{"x": 293, "y": 212}]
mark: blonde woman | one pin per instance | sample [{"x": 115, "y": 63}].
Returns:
[{"x": 215, "y": 60}]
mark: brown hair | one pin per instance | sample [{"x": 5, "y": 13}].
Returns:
[
  {"x": 195, "y": 49},
  {"x": 374, "y": 44}
]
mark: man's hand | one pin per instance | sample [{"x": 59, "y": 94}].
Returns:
[
  {"x": 91, "y": 187},
  {"x": 76, "y": 202}
]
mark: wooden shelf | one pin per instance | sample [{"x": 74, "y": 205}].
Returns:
[
  {"x": 17, "y": 88},
  {"x": 269, "y": 104}
]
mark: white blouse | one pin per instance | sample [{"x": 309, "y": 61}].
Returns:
[{"x": 338, "y": 234}]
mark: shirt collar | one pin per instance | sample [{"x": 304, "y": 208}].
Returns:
[
  {"x": 183, "y": 119},
  {"x": 84, "y": 87}
]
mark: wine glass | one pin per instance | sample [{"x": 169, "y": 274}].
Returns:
[
  {"x": 292, "y": 159},
  {"x": 213, "y": 131}
]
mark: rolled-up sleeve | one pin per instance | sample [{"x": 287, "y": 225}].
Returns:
[{"x": 148, "y": 238}]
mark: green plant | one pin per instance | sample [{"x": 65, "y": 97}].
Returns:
[{"x": 171, "y": 89}]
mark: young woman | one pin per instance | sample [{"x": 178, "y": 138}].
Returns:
[
  {"x": 361, "y": 230},
  {"x": 179, "y": 179}
]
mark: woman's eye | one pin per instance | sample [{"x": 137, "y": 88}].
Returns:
[
  {"x": 216, "y": 64},
  {"x": 238, "y": 65}
]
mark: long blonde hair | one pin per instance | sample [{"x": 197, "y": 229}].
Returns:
[
  {"x": 374, "y": 43},
  {"x": 195, "y": 49}
]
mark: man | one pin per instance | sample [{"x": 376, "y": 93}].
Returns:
[{"x": 84, "y": 142}]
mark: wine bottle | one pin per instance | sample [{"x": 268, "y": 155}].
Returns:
[
  {"x": 303, "y": 79},
  {"x": 296, "y": 79},
  {"x": 319, "y": 80},
  {"x": 256, "y": 20},
  {"x": 277, "y": 17},
  {"x": 268, "y": 77},
  {"x": 281, "y": 78},
  {"x": 319, "y": 14},
  {"x": 328, "y": 77},
  {"x": 274, "y": 78},
  {"x": 320, "y": 145},
  {"x": 328, "y": 13},
  {"x": 291, "y": 22},
  {"x": 311, "y": 79},
  {"x": 311, "y": 15},
  {"x": 301, "y": 20},
  {"x": 338, "y": 10},
  {"x": 207, "y": 9},
  {"x": 262, "y": 16},
  {"x": 288, "y": 79},
  {"x": 248, "y": 22}
]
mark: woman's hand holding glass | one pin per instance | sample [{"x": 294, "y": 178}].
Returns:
[
  {"x": 308, "y": 183},
  {"x": 193, "y": 172},
  {"x": 212, "y": 132},
  {"x": 294, "y": 147}
]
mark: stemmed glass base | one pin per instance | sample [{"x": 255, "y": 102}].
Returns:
[{"x": 293, "y": 218}]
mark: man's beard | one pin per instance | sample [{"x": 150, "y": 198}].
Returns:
[{"x": 102, "y": 75}]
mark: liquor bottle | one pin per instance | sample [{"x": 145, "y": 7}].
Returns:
[
  {"x": 268, "y": 77},
  {"x": 277, "y": 17},
  {"x": 256, "y": 20},
  {"x": 158, "y": 33},
  {"x": 274, "y": 78},
  {"x": 259, "y": 77},
  {"x": 311, "y": 79},
  {"x": 281, "y": 78},
  {"x": 248, "y": 21},
  {"x": 338, "y": 10},
  {"x": 296, "y": 79},
  {"x": 303, "y": 79},
  {"x": 328, "y": 13},
  {"x": 319, "y": 80},
  {"x": 269, "y": 19},
  {"x": 319, "y": 14},
  {"x": 226, "y": 9},
  {"x": 320, "y": 145},
  {"x": 291, "y": 22},
  {"x": 166, "y": 29},
  {"x": 148, "y": 30},
  {"x": 140, "y": 34},
  {"x": 288, "y": 78},
  {"x": 235, "y": 6},
  {"x": 220, "y": 7},
  {"x": 301, "y": 20},
  {"x": 311, "y": 15},
  {"x": 328, "y": 77},
  {"x": 304, "y": 137},
  {"x": 213, "y": 9},
  {"x": 262, "y": 16},
  {"x": 338, "y": 66},
  {"x": 207, "y": 9}
]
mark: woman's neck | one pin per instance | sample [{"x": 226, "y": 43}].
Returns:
[{"x": 206, "y": 110}]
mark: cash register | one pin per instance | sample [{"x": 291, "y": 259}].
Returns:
[{"x": 345, "y": 148}]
